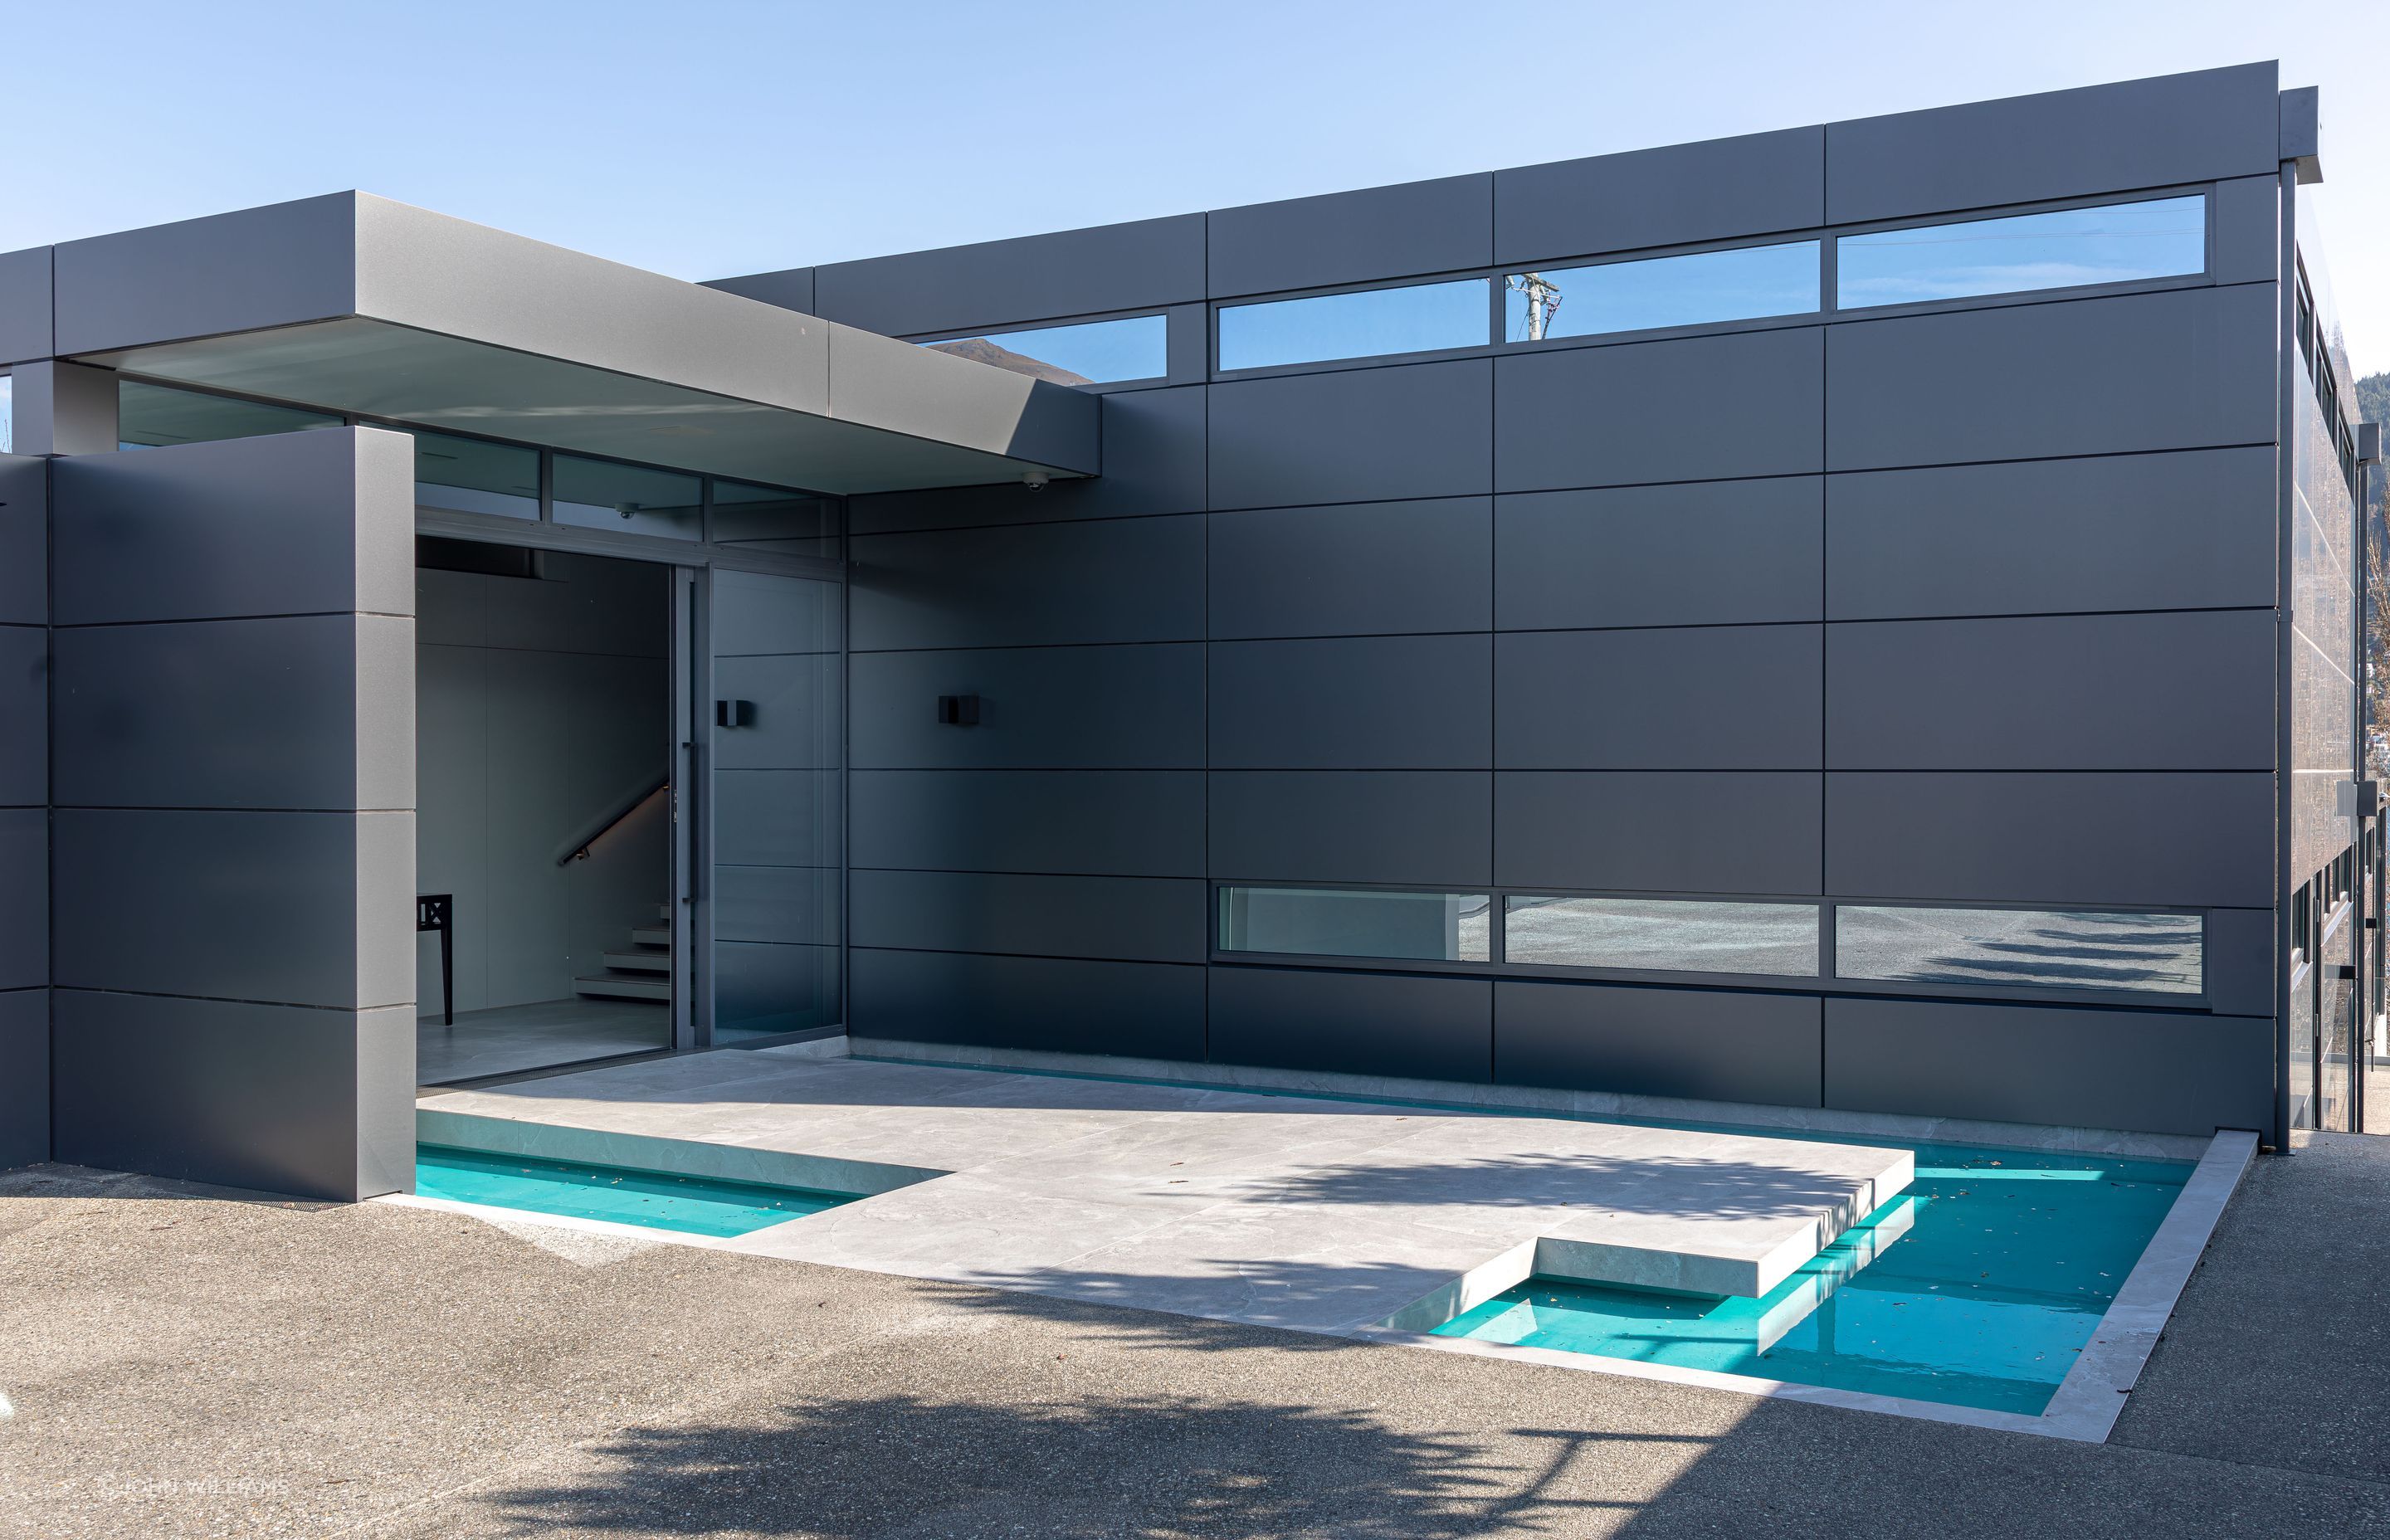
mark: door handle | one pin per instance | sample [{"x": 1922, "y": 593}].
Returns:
[{"x": 734, "y": 714}]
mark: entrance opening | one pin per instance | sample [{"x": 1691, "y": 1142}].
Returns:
[{"x": 544, "y": 819}]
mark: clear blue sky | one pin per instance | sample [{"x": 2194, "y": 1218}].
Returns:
[{"x": 710, "y": 137}]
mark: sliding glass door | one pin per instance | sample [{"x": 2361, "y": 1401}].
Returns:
[{"x": 772, "y": 721}]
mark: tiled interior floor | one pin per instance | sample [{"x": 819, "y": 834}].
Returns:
[
  {"x": 1280, "y": 1210},
  {"x": 508, "y": 1038}
]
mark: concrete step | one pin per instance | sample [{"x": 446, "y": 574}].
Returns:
[
  {"x": 657, "y": 936},
  {"x": 622, "y": 989},
  {"x": 640, "y": 962}
]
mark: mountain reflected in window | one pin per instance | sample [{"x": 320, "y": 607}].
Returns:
[{"x": 1091, "y": 352}]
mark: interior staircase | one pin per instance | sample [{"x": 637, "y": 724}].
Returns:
[{"x": 641, "y": 971}]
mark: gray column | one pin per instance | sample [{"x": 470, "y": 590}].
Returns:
[
  {"x": 234, "y": 812},
  {"x": 24, "y": 814}
]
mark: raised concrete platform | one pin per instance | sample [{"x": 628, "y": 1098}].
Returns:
[{"x": 1277, "y": 1209}]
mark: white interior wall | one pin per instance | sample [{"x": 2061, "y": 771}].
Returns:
[{"x": 538, "y": 703}]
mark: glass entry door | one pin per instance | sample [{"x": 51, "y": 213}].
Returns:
[{"x": 772, "y": 720}]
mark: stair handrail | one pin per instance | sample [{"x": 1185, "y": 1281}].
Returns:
[{"x": 597, "y": 829}]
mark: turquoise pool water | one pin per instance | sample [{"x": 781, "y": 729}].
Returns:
[
  {"x": 1977, "y": 1287},
  {"x": 694, "y": 1205}
]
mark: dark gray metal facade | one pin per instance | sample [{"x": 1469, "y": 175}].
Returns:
[
  {"x": 1954, "y": 603},
  {"x": 24, "y": 816},
  {"x": 233, "y": 822},
  {"x": 1975, "y": 602}
]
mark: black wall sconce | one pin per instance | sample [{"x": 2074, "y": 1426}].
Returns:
[
  {"x": 734, "y": 714},
  {"x": 958, "y": 710}
]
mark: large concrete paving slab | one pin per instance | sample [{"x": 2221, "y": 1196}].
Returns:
[{"x": 1288, "y": 1211}]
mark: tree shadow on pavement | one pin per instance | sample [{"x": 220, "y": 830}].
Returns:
[{"x": 1093, "y": 1466}]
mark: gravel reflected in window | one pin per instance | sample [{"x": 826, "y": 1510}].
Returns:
[
  {"x": 2049, "y": 948},
  {"x": 1675, "y": 935}
]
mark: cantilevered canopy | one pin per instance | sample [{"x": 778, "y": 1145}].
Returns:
[{"x": 353, "y": 303}]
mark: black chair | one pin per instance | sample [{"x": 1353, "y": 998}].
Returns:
[{"x": 432, "y": 912}]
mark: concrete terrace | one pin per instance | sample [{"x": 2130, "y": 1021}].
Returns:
[{"x": 1270, "y": 1210}]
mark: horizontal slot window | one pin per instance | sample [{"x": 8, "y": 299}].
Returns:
[
  {"x": 2041, "y": 948},
  {"x": 1668, "y": 934},
  {"x": 599, "y": 495},
  {"x": 2161, "y": 238},
  {"x": 474, "y": 476},
  {"x": 1329, "y": 922},
  {"x": 152, "y": 417},
  {"x": 1093, "y": 353},
  {"x": 1694, "y": 289},
  {"x": 1416, "y": 318}
]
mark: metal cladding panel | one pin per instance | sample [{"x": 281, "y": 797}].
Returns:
[
  {"x": 1139, "y": 265},
  {"x": 202, "y": 277},
  {"x": 1676, "y": 831},
  {"x": 1643, "y": 412},
  {"x": 2188, "y": 840},
  {"x": 792, "y": 984},
  {"x": 2247, "y": 225},
  {"x": 755, "y": 615},
  {"x": 777, "y": 815},
  {"x": 2241, "y": 962},
  {"x": 1119, "y": 822},
  {"x": 1352, "y": 703},
  {"x": 1366, "y": 435},
  {"x": 2061, "y": 144},
  {"x": 24, "y": 898},
  {"x": 1675, "y": 195},
  {"x": 321, "y": 521},
  {"x": 1392, "y": 232},
  {"x": 2186, "y": 530},
  {"x": 1063, "y": 708},
  {"x": 1355, "y": 568},
  {"x": 24, "y": 540},
  {"x": 1139, "y": 1010},
  {"x": 235, "y": 1093},
  {"x": 794, "y": 703},
  {"x": 248, "y": 714},
  {"x": 1127, "y": 919},
  {"x": 2175, "y": 691},
  {"x": 24, "y": 716},
  {"x": 269, "y": 906},
  {"x": 1706, "y": 1045},
  {"x": 791, "y": 289},
  {"x": 775, "y": 905},
  {"x": 2152, "y": 1071},
  {"x": 1698, "y": 553},
  {"x": 1354, "y": 1023},
  {"x": 1152, "y": 463},
  {"x": 1707, "y": 697},
  {"x": 25, "y": 305},
  {"x": 1424, "y": 828},
  {"x": 24, "y": 1077},
  {"x": 2044, "y": 380},
  {"x": 1126, "y": 580}
]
